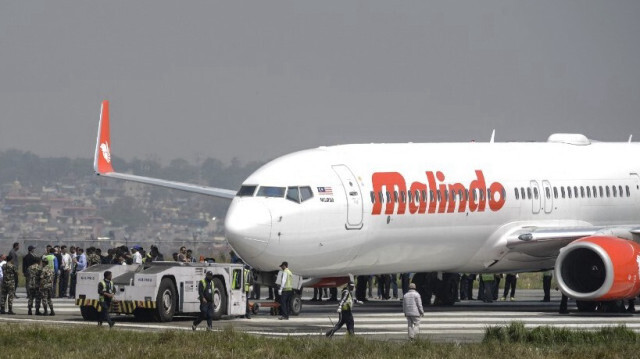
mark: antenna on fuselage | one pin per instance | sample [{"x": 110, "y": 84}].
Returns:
[
  {"x": 630, "y": 137},
  {"x": 493, "y": 136}
]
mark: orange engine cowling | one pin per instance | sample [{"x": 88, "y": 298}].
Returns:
[{"x": 599, "y": 268}]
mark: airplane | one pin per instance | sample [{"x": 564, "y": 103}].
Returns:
[{"x": 570, "y": 204}]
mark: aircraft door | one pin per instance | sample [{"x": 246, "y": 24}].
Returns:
[
  {"x": 353, "y": 194},
  {"x": 547, "y": 194},
  {"x": 535, "y": 197}
]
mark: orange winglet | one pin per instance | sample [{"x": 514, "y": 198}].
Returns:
[{"x": 102, "y": 160}]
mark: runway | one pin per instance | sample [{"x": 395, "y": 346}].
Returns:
[{"x": 376, "y": 319}]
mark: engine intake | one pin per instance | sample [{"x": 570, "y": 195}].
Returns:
[{"x": 599, "y": 268}]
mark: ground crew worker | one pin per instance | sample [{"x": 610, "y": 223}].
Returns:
[
  {"x": 46, "y": 287},
  {"x": 344, "y": 311},
  {"x": 546, "y": 285},
  {"x": 488, "y": 280},
  {"x": 205, "y": 294},
  {"x": 248, "y": 281},
  {"x": 412, "y": 308},
  {"x": 286, "y": 291},
  {"x": 106, "y": 291},
  {"x": 33, "y": 284},
  {"x": 510, "y": 282},
  {"x": 10, "y": 273}
]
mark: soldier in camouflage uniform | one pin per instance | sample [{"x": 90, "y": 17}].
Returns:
[
  {"x": 8, "y": 285},
  {"x": 92, "y": 257},
  {"x": 33, "y": 285},
  {"x": 46, "y": 286}
]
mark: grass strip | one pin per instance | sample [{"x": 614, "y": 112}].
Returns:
[{"x": 28, "y": 341}]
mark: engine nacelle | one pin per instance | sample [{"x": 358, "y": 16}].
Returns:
[{"x": 599, "y": 268}]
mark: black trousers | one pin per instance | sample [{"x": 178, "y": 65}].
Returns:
[
  {"x": 510, "y": 283},
  {"x": 104, "y": 313},
  {"x": 345, "y": 318},
  {"x": 464, "y": 286},
  {"x": 285, "y": 298},
  {"x": 206, "y": 312},
  {"x": 546, "y": 286}
]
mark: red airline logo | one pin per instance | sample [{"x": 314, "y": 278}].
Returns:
[{"x": 442, "y": 196}]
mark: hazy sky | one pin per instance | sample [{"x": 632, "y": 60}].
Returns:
[{"x": 258, "y": 79}]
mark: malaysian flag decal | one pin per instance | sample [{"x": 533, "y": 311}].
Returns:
[{"x": 325, "y": 191}]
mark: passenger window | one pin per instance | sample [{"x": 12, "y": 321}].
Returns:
[
  {"x": 373, "y": 197},
  {"x": 601, "y": 192},
  {"x": 568, "y": 191},
  {"x": 482, "y": 195},
  {"x": 555, "y": 192},
  {"x": 575, "y": 191},
  {"x": 266, "y": 191},
  {"x": 547, "y": 191},
  {"x": 517, "y": 193},
  {"x": 595, "y": 192},
  {"x": 535, "y": 192},
  {"x": 395, "y": 196},
  {"x": 581, "y": 192},
  {"x": 293, "y": 194},
  {"x": 438, "y": 194},
  {"x": 466, "y": 194},
  {"x": 529, "y": 192},
  {"x": 410, "y": 196},
  {"x": 306, "y": 193},
  {"x": 488, "y": 194},
  {"x": 381, "y": 197},
  {"x": 562, "y": 191},
  {"x": 522, "y": 192},
  {"x": 588, "y": 192},
  {"x": 388, "y": 197},
  {"x": 608, "y": 193},
  {"x": 620, "y": 190},
  {"x": 628, "y": 192},
  {"x": 424, "y": 195},
  {"x": 613, "y": 190},
  {"x": 246, "y": 191},
  {"x": 403, "y": 196},
  {"x": 431, "y": 197}
]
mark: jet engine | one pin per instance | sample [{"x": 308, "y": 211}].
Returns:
[{"x": 599, "y": 268}]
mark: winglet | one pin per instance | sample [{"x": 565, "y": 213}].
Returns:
[
  {"x": 102, "y": 157},
  {"x": 493, "y": 136}
]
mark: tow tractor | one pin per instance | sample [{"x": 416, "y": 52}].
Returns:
[{"x": 160, "y": 290}]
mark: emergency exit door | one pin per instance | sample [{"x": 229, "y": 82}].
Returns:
[{"x": 353, "y": 194}]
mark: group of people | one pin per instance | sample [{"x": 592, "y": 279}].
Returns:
[{"x": 39, "y": 278}]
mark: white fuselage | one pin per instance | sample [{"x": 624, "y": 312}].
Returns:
[{"x": 345, "y": 228}]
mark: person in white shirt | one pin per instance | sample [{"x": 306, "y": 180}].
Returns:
[
  {"x": 65, "y": 271},
  {"x": 3, "y": 261},
  {"x": 137, "y": 257}
]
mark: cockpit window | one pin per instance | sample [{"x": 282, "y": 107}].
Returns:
[
  {"x": 293, "y": 194},
  {"x": 267, "y": 191},
  {"x": 246, "y": 191},
  {"x": 305, "y": 193}
]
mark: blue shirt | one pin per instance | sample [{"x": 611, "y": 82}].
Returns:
[{"x": 82, "y": 262}]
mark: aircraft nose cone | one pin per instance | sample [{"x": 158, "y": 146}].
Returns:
[{"x": 248, "y": 227}]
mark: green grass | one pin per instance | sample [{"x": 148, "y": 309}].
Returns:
[{"x": 514, "y": 341}]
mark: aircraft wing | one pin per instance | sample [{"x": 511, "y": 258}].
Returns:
[
  {"x": 547, "y": 241},
  {"x": 103, "y": 167}
]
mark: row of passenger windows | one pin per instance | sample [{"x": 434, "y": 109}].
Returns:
[
  {"x": 296, "y": 194},
  {"x": 421, "y": 196},
  {"x": 574, "y": 192}
]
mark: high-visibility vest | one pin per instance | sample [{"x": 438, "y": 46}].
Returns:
[
  {"x": 348, "y": 303},
  {"x": 50, "y": 258},
  {"x": 487, "y": 277},
  {"x": 246, "y": 280},
  {"x": 204, "y": 286},
  {"x": 105, "y": 289},
  {"x": 288, "y": 285}
]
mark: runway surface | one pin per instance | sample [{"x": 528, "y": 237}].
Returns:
[{"x": 376, "y": 319}]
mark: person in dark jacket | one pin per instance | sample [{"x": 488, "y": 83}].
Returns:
[{"x": 205, "y": 295}]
